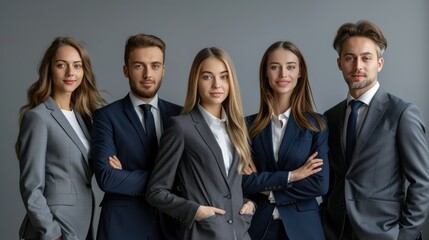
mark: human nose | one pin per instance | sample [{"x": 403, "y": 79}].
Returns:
[
  {"x": 358, "y": 64},
  {"x": 147, "y": 74},
  {"x": 283, "y": 71},
  {"x": 216, "y": 83},
  {"x": 70, "y": 70}
]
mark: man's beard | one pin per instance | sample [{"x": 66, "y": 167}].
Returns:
[
  {"x": 146, "y": 93},
  {"x": 359, "y": 85}
]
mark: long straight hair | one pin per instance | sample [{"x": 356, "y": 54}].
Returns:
[
  {"x": 236, "y": 126},
  {"x": 301, "y": 98}
]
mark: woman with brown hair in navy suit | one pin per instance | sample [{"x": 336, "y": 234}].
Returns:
[{"x": 289, "y": 146}]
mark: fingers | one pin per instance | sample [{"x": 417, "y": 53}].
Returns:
[
  {"x": 218, "y": 211},
  {"x": 114, "y": 162},
  {"x": 207, "y": 211},
  {"x": 252, "y": 166},
  {"x": 314, "y": 163},
  {"x": 310, "y": 167},
  {"x": 248, "y": 208},
  {"x": 250, "y": 169},
  {"x": 312, "y": 156},
  {"x": 247, "y": 171}
]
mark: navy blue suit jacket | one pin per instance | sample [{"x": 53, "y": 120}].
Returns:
[
  {"x": 118, "y": 131},
  {"x": 295, "y": 201}
]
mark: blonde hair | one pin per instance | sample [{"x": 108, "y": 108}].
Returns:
[
  {"x": 236, "y": 126},
  {"x": 301, "y": 99}
]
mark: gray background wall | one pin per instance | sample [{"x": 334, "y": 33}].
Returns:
[{"x": 243, "y": 28}]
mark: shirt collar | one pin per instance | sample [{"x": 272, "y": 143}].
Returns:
[
  {"x": 137, "y": 101},
  {"x": 212, "y": 120},
  {"x": 283, "y": 117},
  {"x": 367, "y": 96}
]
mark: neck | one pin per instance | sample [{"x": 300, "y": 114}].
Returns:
[
  {"x": 63, "y": 101},
  {"x": 281, "y": 103},
  {"x": 215, "y": 110}
]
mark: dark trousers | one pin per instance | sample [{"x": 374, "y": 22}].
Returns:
[
  {"x": 275, "y": 231},
  {"x": 349, "y": 234}
]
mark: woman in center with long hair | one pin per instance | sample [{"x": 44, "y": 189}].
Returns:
[
  {"x": 204, "y": 152},
  {"x": 290, "y": 150}
]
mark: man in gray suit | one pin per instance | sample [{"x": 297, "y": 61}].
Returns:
[{"x": 369, "y": 198}]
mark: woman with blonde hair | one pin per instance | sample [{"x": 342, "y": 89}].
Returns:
[
  {"x": 54, "y": 143},
  {"x": 204, "y": 152}
]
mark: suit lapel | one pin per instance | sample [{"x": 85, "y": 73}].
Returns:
[
  {"x": 338, "y": 130},
  {"x": 131, "y": 114},
  {"x": 376, "y": 110},
  {"x": 206, "y": 134},
  {"x": 289, "y": 136},
  {"x": 266, "y": 141},
  {"x": 58, "y": 115},
  {"x": 165, "y": 112}
]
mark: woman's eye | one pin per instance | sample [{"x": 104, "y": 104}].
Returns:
[{"x": 207, "y": 77}]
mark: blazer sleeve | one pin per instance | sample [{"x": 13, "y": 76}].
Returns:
[
  {"x": 265, "y": 181},
  {"x": 414, "y": 155},
  {"x": 312, "y": 186},
  {"x": 32, "y": 141},
  {"x": 159, "y": 193},
  {"x": 109, "y": 179}
]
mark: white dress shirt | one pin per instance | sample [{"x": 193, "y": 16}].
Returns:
[
  {"x": 71, "y": 117},
  {"x": 218, "y": 128},
  {"x": 154, "y": 109},
  {"x": 278, "y": 127}
]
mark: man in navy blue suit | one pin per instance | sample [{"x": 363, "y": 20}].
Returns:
[{"x": 122, "y": 151}]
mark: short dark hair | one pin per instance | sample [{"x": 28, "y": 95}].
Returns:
[
  {"x": 142, "y": 40},
  {"x": 362, "y": 28}
]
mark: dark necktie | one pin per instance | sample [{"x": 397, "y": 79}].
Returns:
[
  {"x": 351, "y": 129},
  {"x": 149, "y": 125}
]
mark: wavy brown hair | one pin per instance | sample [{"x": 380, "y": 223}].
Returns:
[
  {"x": 86, "y": 98},
  {"x": 302, "y": 102},
  {"x": 236, "y": 126}
]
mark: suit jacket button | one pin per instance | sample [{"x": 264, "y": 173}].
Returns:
[
  {"x": 229, "y": 221},
  {"x": 228, "y": 196}
]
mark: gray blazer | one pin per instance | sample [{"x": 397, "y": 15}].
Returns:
[
  {"x": 390, "y": 148},
  {"x": 55, "y": 178},
  {"x": 189, "y": 154}
]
